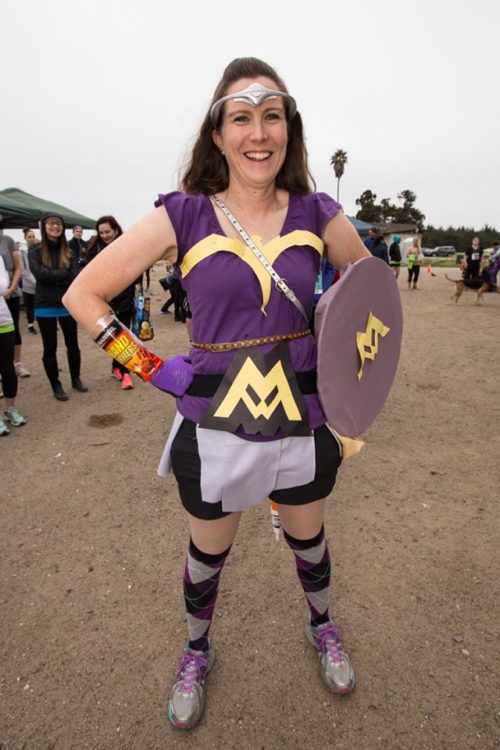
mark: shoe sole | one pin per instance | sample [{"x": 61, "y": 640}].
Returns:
[
  {"x": 13, "y": 424},
  {"x": 175, "y": 723},
  {"x": 335, "y": 691}
]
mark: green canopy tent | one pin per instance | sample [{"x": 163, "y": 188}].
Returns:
[{"x": 19, "y": 209}]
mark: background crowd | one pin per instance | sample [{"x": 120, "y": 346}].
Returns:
[{"x": 36, "y": 273}]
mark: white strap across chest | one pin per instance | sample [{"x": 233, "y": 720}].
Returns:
[{"x": 279, "y": 282}]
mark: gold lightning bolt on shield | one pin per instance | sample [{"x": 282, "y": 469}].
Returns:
[{"x": 367, "y": 340}]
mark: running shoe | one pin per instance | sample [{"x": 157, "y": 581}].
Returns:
[
  {"x": 127, "y": 384},
  {"x": 334, "y": 664},
  {"x": 14, "y": 416},
  {"x": 21, "y": 370},
  {"x": 4, "y": 430},
  {"x": 116, "y": 373},
  {"x": 187, "y": 699},
  {"x": 31, "y": 328}
]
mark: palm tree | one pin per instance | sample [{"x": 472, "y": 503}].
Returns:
[{"x": 338, "y": 162}]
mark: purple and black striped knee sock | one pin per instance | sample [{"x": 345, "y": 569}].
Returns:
[
  {"x": 201, "y": 584},
  {"x": 313, "y": 567}
]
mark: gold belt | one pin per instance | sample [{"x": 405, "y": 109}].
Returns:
[{"x": 228, "y": 345}]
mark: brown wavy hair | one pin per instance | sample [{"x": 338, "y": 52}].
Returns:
[
  {"x": 206, "y": 171},
  {"x": 95, "y": 244},
  {"x": 112, "y": 223}
]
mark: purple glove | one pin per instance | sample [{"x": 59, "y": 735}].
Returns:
[{"x": 174, "y": 376}]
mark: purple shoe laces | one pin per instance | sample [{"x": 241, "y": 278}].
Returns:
[
  {"x": 192, "y": 668},
  {"x": 327, "y": 640}
]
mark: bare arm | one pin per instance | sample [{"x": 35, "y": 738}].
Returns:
[
  {"x": 343, "y": 244},
  {"x": 16, "y": 274},
  {"x": 4, "y": 277},
  {"x": 116, "y": 267}
]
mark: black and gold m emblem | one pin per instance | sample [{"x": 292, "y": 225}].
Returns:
[{"x": 260, "y": 394}]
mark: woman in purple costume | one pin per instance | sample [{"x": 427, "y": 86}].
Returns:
[{"x": 250, "y": 425}]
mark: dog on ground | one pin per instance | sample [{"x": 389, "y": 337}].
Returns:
[{"x": 482, "y": 284}]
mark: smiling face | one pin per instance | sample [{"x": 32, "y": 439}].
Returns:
[
  {"x": 106, "y": 233},
  {"x": 53, "y": 227},
  {"x": 254, "y": 139}
]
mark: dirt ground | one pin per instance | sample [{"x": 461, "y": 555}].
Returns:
[{"x": 93, "y": 548}]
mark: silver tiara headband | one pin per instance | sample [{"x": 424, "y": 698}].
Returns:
[{"x": 255, "y": 94}]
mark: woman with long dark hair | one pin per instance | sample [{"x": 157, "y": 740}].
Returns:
[
  {"x": 54, "y": 267},
  {"x": 122, "y": 305},
  {"x": 231, "y": 447}
]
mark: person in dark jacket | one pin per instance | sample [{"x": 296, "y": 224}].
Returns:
[
  {"x": 377, "y": 245},
  {"x": 77, "y": 245},
  {"x": 395, "y": 255},
  {"x": 54, "y": 267},
  {"x": 370, "y": 240},
  {"x": 122, "y": 305}
]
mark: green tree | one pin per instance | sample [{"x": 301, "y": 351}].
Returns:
[
  {"x": 386, "y": 212},
  {"x": 459, "y": 237},
  {"x": 368, "y": 211},
  {"x": 408, "y": 213},
  {"x": 338, "y": 162}
]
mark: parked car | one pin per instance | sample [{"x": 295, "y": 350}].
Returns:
[
  {"x": 428, "y": 252},
  {"x": 444, "y": 251}
]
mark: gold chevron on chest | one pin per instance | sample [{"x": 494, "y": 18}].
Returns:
[{"x": 216, "y": 243}]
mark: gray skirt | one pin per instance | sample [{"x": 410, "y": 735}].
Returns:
[{"x": 219, "y": 472}]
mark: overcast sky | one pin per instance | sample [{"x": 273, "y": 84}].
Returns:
[{"x": 101, "y": 99}]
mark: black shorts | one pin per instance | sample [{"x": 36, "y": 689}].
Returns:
[{"x": 186, "y": 466}]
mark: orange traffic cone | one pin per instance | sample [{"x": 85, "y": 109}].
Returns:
[{"x": 429, "y": 268}]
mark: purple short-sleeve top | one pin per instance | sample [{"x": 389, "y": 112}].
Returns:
[{"x": 232, "y": 297}]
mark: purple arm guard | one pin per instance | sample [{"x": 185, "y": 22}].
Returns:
[{"x": 174, "y": 376}]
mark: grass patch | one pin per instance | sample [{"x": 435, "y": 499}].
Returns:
[
  {"x": 440, "y": 262},
  {"x": 444, "y": 262}
]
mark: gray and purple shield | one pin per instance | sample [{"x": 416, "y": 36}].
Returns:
[{"x": 359, "y": 325}]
